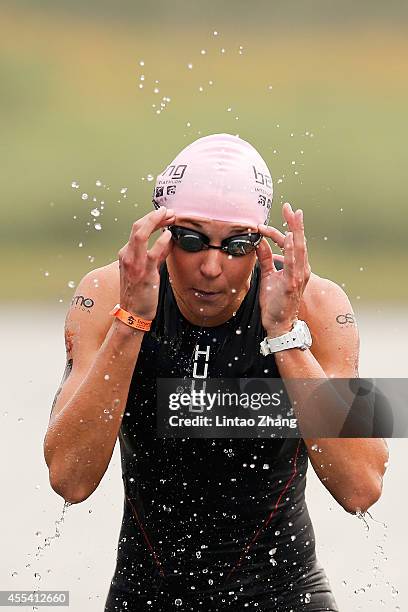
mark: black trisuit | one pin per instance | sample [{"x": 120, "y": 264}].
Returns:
[{"x": 211, "y": 524}]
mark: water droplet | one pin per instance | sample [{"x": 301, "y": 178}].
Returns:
[
  {"x": 71, "y": 284},
  {"x": 150, "y": 177},
  {"x": 98, "y": 183},
  {"x": 190, "y": 66},
  {"x": 46, "y": 273},
  {"x": 95, "y": 212},
  {"x": 75, "y": 185},
  {"x": 84, "y": 196},
  {"x": 98, "y": 226},
  {"x": 106, "y": 377}
]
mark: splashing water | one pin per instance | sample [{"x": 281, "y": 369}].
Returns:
[
  {"x": 48, "y": 540},
  {"x": 41, "y": 549}
]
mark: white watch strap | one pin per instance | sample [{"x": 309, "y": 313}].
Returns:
[
  {"x": 287, "y": 341},
  {"x": 292, "y": 339}
]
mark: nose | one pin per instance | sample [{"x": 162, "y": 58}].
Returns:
[{"x": 211, "y": 263}]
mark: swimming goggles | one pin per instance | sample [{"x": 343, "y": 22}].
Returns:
[{"x": 192, "y": 241}]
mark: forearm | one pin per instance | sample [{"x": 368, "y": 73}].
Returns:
[
  {"x": 80, "y": 439},
  {"x": 351, "y": 468}
]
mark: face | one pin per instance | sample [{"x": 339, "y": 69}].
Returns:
[{"x": 209, "y": 285}]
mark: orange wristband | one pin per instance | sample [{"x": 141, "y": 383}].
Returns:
[{"x": 130, "y": 319}]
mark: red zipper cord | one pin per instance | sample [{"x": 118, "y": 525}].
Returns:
[
  {"x": 150, "y": 547},
  {"x": 268, "y": 520}
]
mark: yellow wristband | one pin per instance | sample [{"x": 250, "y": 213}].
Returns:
[{"x": 130, "y": 319}]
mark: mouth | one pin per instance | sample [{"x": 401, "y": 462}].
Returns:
[{"x": 205, "y": 295}]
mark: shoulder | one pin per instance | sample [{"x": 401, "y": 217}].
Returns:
[{"x": 93, "y": 299}]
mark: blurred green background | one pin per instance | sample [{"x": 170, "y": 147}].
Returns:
[{"x": 320, "y": 89}]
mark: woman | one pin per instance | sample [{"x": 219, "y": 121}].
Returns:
[{"x": 208, "y": 524}]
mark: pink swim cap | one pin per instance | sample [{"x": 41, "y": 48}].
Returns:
[{"x": 220, "y": 177}]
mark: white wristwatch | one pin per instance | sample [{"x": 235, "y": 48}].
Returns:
[{"x": 298, "y": 337}]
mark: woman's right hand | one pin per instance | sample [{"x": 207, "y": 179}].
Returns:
[{"x": 139, "y": 267}]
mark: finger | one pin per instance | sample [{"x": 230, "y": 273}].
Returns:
[
  {"x": 271, "y": 232},
  {"x": 308, "y": 269},
  {"x": 159, "y": 251},
  {"x": 289, "y": 261},
  {"x": 144, "y": 227},
  {"x": 149, "y": 223},
  {"x": 277, "y": 257},
  {"x": 288, "y": 215},
  {"x": 299, "y": 246},
  {"x": 265, "y": 258}
]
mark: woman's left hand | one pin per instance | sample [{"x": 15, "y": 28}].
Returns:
[{"x": 281, "y": 290}]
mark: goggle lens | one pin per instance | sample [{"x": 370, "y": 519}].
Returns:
[{"x": 192, "y": 241}]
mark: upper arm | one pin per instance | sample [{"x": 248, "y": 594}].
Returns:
[
  {"x": 333, "y": 326},
  {"x": 86, "y": 325}
]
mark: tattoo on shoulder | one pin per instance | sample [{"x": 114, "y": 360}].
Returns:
[
  {"x": 346, "y": 319},
  {"x": 83, "y": 303},
  {"x": 67, "y": 372}
]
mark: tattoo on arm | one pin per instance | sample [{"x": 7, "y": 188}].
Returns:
[
  {"x": 346, "y": 319},
  {"x": 67, "y": 372},
  {"x": 83, "y": 303}
]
